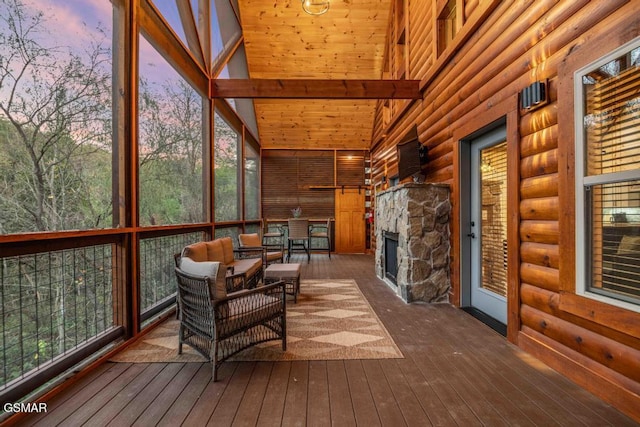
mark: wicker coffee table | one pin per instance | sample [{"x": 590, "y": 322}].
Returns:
[{"x": 288, "y": 273}]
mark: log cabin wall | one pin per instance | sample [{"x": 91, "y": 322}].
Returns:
[{"x": 499, "y": 49}]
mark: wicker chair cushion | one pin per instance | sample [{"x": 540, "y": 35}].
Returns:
[
  {"x": 249, "y": 240},
  {"x": 272, "y": 256},
  {"x": 216, "y": 251},
  {"x": 247, "y": 310},
  {"x": 227, "y": 249},
  {"x": 197, "y": 252},
  {"x": 211, "y": 269}
]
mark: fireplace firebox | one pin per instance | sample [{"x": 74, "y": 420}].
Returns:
[{"x": 391, "y": 256}]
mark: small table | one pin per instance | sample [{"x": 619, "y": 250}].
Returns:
[{"x": 289, "y": 273}]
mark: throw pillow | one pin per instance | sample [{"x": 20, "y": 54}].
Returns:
[{"x": 208, "y": 269}]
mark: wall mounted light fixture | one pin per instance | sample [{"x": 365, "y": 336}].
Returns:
[
  {"x": 534, "y": 96},
  {"x": 315, "y": 7}
]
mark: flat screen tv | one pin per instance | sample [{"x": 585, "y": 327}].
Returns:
[{"x": 409, "y": 153}]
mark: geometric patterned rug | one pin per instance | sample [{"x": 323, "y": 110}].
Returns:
[{"x": 332, "y": 320}]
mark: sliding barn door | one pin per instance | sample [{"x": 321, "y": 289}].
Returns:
[{"x": 350, "y": 225}]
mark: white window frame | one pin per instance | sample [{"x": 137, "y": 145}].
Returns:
[{"x": 583, "y": 260}]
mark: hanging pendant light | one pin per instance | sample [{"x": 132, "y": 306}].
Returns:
[{"x": 315, "y": 7}]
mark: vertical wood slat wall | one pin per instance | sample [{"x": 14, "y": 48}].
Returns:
[
  {"x": 528, "y": 41},
  {"x": 292, "y": 178},
  {"x": 286, "y": 177}
]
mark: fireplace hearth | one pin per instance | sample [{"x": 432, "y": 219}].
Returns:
[{"x": 412, "y": 231}]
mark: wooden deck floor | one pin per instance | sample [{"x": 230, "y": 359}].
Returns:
[{"x": 456, "y": 371}]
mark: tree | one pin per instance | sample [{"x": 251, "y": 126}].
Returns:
[
  {"x": 170, "y": 153},
  {"x": 55, "y": 168},
  {"x": 55, "y": 108},
  {"x": 227, "y": 189}
]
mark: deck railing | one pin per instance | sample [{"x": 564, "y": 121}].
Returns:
[
  {"x": 157, "y": 276},
  {"x": 52, "y": 304},
  {"x": 64, "y": 298}
]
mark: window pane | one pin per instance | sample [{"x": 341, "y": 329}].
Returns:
[
  {"x": 232, "y": 232},
  {"x": 169, "y": 11},
  {"x": 447, "y": 28},
  {"x": 170, "y": 144},
  {"x": 226, "y": 170},
  {"x": 55, "y": 130},
  {"x": 252, "y": 228},
  {"x": 251, "y": 182},
  {"x": 224, "y": 28},
  {"x": 611, "y": 123},
  {"x": 615, "y": 239}
]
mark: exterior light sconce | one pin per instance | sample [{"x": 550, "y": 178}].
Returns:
[
  {"x": 534, "y": 96},
  {"x": 315, "y": 7}
]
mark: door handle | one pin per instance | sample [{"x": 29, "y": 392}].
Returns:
[{"x": 472, "y": 235}]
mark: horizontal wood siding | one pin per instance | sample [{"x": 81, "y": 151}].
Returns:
[{"x": 519, "y": 43}]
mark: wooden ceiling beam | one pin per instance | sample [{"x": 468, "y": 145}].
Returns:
[{"x": 315, "y": 89}]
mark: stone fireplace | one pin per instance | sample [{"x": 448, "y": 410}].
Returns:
[{"x": 412, "y": 231}]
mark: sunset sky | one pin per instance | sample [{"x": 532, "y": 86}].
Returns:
[{"x": 71, "y": 23}]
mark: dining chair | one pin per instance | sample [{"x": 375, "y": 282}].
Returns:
[
  {"x": 298, "y": 236},
  {"x": 322, "y": 232}
]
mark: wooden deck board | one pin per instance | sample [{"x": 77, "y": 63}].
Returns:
[
  {"x": 231, "y": 399},
  {"x": 119, "y": 386},
  {"x": 274, "y": 398},
  {"x": 318, "y": 406},
  {"x": 433, "y": 406},
  {"x": 364, "y": 408},
  {"x": 295, "y": 404},
  {"x": 456, "y": 371},
  {"x": 81, "y": 392},
  {"x": 169, "y": 392},
  {"x": 386, "y": 404},
  {"x": 181, "y": 407},
  {"x": 249, "y": 408},
  {"x": 339, "y": 396},
  {"x": 145, "y": 388},
  {"x": 410, "y": 407},
  {"x": 208, "y": 400},
  {"x": 140, "y": 401}
]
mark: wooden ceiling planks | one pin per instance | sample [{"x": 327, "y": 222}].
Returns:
[
  {"x": 283, "y": 42},
  {"x": 315, "y": 123}
]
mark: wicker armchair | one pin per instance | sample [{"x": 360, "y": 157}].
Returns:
[
  {"x": 271, "y": 252},
  {"x": 219, "y": 325},
  {"x": 272, "y": 233}
]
